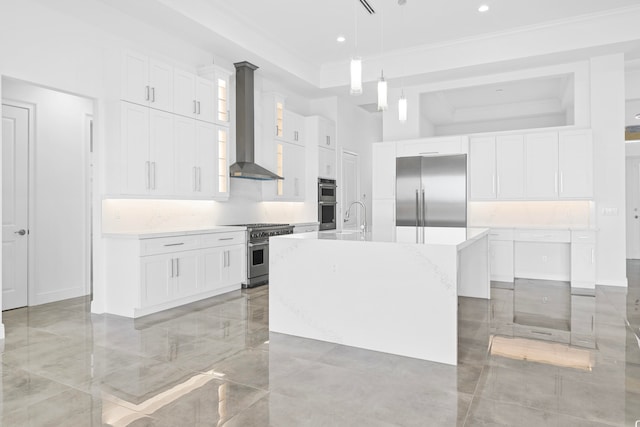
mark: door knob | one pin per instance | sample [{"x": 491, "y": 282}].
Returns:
[{"x": 20, "y": 232}]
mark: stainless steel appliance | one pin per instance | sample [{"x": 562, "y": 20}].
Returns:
[
  {"x": 327, "y": 203},
  {"x": 431, "y": 191},
  {"x": 258, "y": 250}
]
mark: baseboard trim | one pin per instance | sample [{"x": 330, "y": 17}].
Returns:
[
  {"x": 623, "y": 283},
  {"x": 54, "y": 296},
  {"x": 2, "y": 336}
]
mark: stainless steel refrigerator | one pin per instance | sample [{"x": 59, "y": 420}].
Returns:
[{"x": 431, "y": 191}]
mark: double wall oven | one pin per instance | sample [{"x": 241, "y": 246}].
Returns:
[
  {"x": 327, "y": 203},
  {"x": 258, "y": 250}
]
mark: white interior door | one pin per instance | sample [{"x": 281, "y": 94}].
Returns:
[
  {"x": 350, "y": 190},
  {"x": 15, "y": 184},
  {"x": 633, "y": 207}
]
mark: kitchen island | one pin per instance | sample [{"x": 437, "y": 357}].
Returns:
[{"x": 399, "y": 298}]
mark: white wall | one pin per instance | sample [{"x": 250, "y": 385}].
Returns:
[
  {"x": 607, "y": 121},
  {"x": 357, "y": 131},
  {"x": 58, "y": 209},
  {"x": 541, "y": 121}
]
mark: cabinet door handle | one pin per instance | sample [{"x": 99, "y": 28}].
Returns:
[
  {"x": 328, "y": 140},
  {"x": 146, "y": 96},
  {"x": 277, "y": 130},
  {"x": 153, "y": 174},
  {"x": 195, "y": 109},
  {"x": 177, "y": 267},
  {"x": 199, "y": 178},
  {"x": 593, "y": 256},
  {"x": 226, "y": 238},
  {"x": 561, "y": 182},
  {"x": 153, "y": 94},
  {"x": 195, "y": 179},
  {"x": 226, "y": 258},
  {"x": 556, "y": 183},
  {"x": 147, "y": 183},
  {"x": 175, "y": 244},
  {"x": 172, "y": 268},
  {"x": 199, "y": 108}
]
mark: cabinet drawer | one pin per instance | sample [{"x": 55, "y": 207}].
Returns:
[
  {"x": 584, "y": 236},
  {"x": 213, "y": 240},
  {"x": 501, "y": 234},
  {"x": 164, "y": 245},
  {"x": 562, "y": 236}
]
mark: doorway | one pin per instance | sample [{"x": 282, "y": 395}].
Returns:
[
  {"x": 633, "y": 206},
  {"x": 351, "y": 190},
  {"x": 15, "y": 206},
  {"x": 46, "y": 146}
]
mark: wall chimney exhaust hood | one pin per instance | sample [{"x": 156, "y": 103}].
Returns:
[{"x": 245, "y": 167}]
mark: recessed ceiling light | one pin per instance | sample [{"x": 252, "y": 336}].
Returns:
[
  {"x": 483, "y": 8},
  {"x": 341, "y": 39},
  {"x": 637, "y": 116}
]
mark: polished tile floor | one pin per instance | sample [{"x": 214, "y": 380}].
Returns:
[{"x": 532, "y": 356}]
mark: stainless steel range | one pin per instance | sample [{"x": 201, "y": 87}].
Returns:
[{"x": 258, "y": 250}]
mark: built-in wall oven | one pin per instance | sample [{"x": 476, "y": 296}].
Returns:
[{"x": 327, "y": 203}]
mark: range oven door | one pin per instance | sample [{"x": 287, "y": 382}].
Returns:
[
  {"x": 258, "y": 259},
  {"x": 327, "y": 215}
]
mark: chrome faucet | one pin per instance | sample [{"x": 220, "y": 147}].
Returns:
[{"x": 363, "y": 227}]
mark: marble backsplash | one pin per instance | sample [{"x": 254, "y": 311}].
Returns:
[
  {"x": 544, "y": 214},
  {"x": 244, "y": 206}
]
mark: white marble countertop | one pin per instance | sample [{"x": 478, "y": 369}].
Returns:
[
  {"x": 152, "y": 234},
  {"x": 539, "y": 227},
  {"x": 453, "y": 236},
  {"x": 304, "y": 224}
]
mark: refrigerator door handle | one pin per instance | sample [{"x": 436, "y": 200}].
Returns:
[
  {"x": 424, "y": 214},
  {"x": 417, "y": 215}
]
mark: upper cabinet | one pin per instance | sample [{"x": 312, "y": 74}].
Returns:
[
  {"x": 541, "y": 165},
  {"x": 147, "y": 81},
  {"x": 322, "y": 132},
  {"x": 536, "y": 166},
  {"x": 281, "y": 123},
  {"x": 384, "y": 170},
  {"x": 204, "y": 97},
  {"x": 294, "y": 127},
  {"x": 288, "y": 161}
]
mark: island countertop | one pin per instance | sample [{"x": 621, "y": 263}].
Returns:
[{"x": 452, "y": 236}]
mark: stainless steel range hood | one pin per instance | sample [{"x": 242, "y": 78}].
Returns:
[{"x": 245, "y": 167}]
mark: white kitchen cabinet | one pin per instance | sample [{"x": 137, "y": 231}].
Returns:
[
  {"x": 222, "y": 80},
  {"x": 509, "y": 170},
  {"x": 156, "y": 279},
  {"x": 147, "y": 81},
  {"x": 273, "y": 115},
  {"x": 383, "y": 219},
  {"x": 294, "y": 130},
  {"x": 432, "y": 146},
  {"x": 287, "y": 160},
  {"x": 326, "y": 134},
  {"x": 223, "y": 266},
  {"x": 541, "y": 166},
  {"x": 482, "y": 168},
  {"x": 501, "y": 255},
  {"x": 384, "y": 171},
  {"x": 575, "y": 159},
  {"x": 326, "y": 163},
  {"x": 194, "y": 96},
  {"x": 542, "y": 254},
  {"x": 583, "y": 262},
  {"x": 147, "y": 275},
  {"x": 146, "y": 142}
]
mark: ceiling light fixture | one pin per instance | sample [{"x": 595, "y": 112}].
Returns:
[
  {"x": 382, "y": 83},
  {"x": 355, "y": 67},
  {"x": 341, "y": 39},
  {"x": 637, "y": 116},
  {"x": 483, "y": 8}
]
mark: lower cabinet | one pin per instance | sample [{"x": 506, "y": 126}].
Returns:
[
  {"x": 147, "y": 275},
  {"x": 583, "y": 262},
  {"x": 501, "y": 259}
]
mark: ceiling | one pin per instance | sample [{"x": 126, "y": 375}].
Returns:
[{"x": 308, "y": 29}]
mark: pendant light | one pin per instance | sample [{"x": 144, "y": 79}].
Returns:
[
  {"x": 402, "y": 108},
  {"x": 382, "y": 83},
  {"x": 355, "y": 67},
  {"x": 402, "y": 102}
]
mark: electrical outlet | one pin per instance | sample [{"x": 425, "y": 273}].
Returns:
[
  {"x": 610, "y": 211},
  {"x": 545, "y": 259}
]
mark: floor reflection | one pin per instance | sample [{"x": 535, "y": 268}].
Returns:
[{"x": 534, "y": 355}]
